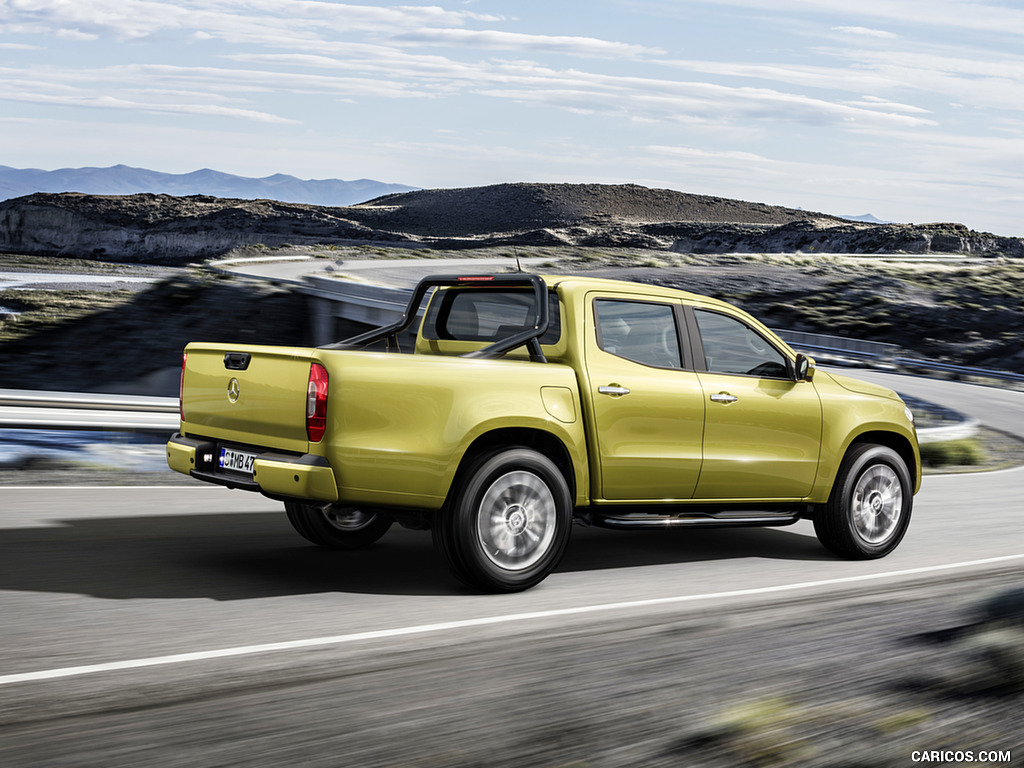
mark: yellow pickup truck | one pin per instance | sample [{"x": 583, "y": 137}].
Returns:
[{"x": 531, "y": 402}]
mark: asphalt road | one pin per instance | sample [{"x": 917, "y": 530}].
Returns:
[
  {"x": 133, "y": 616},
  {"x": 993, "y": 406},
  {"x": 191, "y": 626}
]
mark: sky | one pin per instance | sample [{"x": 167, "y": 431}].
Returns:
[{"x": 911, "y": 110}]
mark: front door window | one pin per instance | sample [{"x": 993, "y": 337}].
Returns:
[{"x": 731, "y": 346}]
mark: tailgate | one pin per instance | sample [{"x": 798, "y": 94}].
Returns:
[{"x": 249, "y": 394}]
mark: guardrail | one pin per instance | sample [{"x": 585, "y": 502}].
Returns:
[
  {"x": 24, "y": 409},
  {"x": 804, "y": 341},
  {"x": 914, "y": 363},
  {"x": 884, "y": 354}
]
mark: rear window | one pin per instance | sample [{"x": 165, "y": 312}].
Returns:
[{"x": 488, "y": 315}]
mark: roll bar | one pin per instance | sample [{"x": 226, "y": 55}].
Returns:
[{"x": 530, "y": 337}]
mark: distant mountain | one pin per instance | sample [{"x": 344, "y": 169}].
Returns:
[
  {"x": 867, "y": 218},
  {"x": 125, "y": 180}
]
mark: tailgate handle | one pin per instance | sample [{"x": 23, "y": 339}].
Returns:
[{"x": 237, "y": 361}]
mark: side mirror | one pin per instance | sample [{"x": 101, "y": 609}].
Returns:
[{"x": 803, "y": 368}]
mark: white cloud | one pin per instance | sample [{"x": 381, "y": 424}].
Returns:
[
  {"x": 583, "y": 92},
  {"x": 515, "y": 41},
  {"x": 813, "y": 76},
  {"x": 691, "y": 101},
  {"x": 874, "y": 102},
  {"x": 258, "y": 21},
  {"x": 956, "y": 15},
  {"x": 112, "y": 102},
  {"x": 865, "y": 32},
  {"x": 712, "y": 158},
  {"x": 988, "y": 81}
]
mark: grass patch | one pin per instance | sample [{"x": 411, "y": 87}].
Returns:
[
  {"x": 987, "y": 451},
  {"x": 37, "y": 262},
  {"x": 41, "y": 311},
  {"x": 967, "y": 452}
]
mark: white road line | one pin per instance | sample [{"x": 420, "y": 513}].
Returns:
[{"x": 248, "y": 650}]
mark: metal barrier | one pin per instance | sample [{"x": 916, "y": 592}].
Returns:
[
  {"x": 24, "y": 409},
  {"x": 875, "y": 350},
  {"x": 886, "y": 354},
  {"x": 914, "y": 363},
  {"x": 87, "y": 400}
]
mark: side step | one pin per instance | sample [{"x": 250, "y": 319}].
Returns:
[{"x": 633, "y": 519}]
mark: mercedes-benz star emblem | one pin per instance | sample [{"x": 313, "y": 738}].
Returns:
[{"x": 233, "y": 390}]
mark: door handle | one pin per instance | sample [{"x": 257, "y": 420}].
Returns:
[
  {"x": 724, "y": 397},
  {"x": 237, "y": 361},
  {"x": 613, "y": 389}
]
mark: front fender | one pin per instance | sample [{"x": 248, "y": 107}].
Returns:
[{"x": 849, "y": 417}]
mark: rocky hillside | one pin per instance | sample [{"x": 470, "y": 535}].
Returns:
[{"x": 175, "y": 230}]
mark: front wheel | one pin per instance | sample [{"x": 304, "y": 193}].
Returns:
[
  {"x": 508, "y": 523},
  {"x": 337, "y": 526},
  {"x": 869, "y": 509}
]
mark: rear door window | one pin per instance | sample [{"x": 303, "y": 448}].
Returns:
[{"x": 641, "y": 331}]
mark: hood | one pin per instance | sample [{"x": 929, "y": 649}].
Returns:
[{"x": 862, "y": 387}]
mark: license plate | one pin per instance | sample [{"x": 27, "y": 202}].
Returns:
[{"x": 237, "y": 461}]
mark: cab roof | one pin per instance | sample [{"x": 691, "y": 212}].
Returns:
[{"x": 577, "y": 283}]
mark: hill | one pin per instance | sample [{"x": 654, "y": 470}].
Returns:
[
  {"x": 174, "y": 230},
  {"x": 525, "y": 207},
  {"x": 125, "y": 180}
]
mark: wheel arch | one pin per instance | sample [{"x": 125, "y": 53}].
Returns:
[
  {"x": 897, "y": 442},
  {"x": 543, "y": 442}
]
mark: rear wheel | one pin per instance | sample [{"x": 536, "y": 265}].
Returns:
[
  {"x": 869, "y": 509},
  {"x": 337, "y": 526},
  {"x": 508, "y": 523}
]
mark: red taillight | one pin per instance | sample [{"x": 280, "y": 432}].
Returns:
[
  {"x": 316, "y": 403},
  {"x": 181, "y": 387}
]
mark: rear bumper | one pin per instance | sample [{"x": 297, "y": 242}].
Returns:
[{"x": 277, "y": 475}]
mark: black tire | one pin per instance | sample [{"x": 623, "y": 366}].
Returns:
[
  {"x": 869, "y": 509},
  {"x": 508, "y": 521},
  {"x": 336, "y": 526}
]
